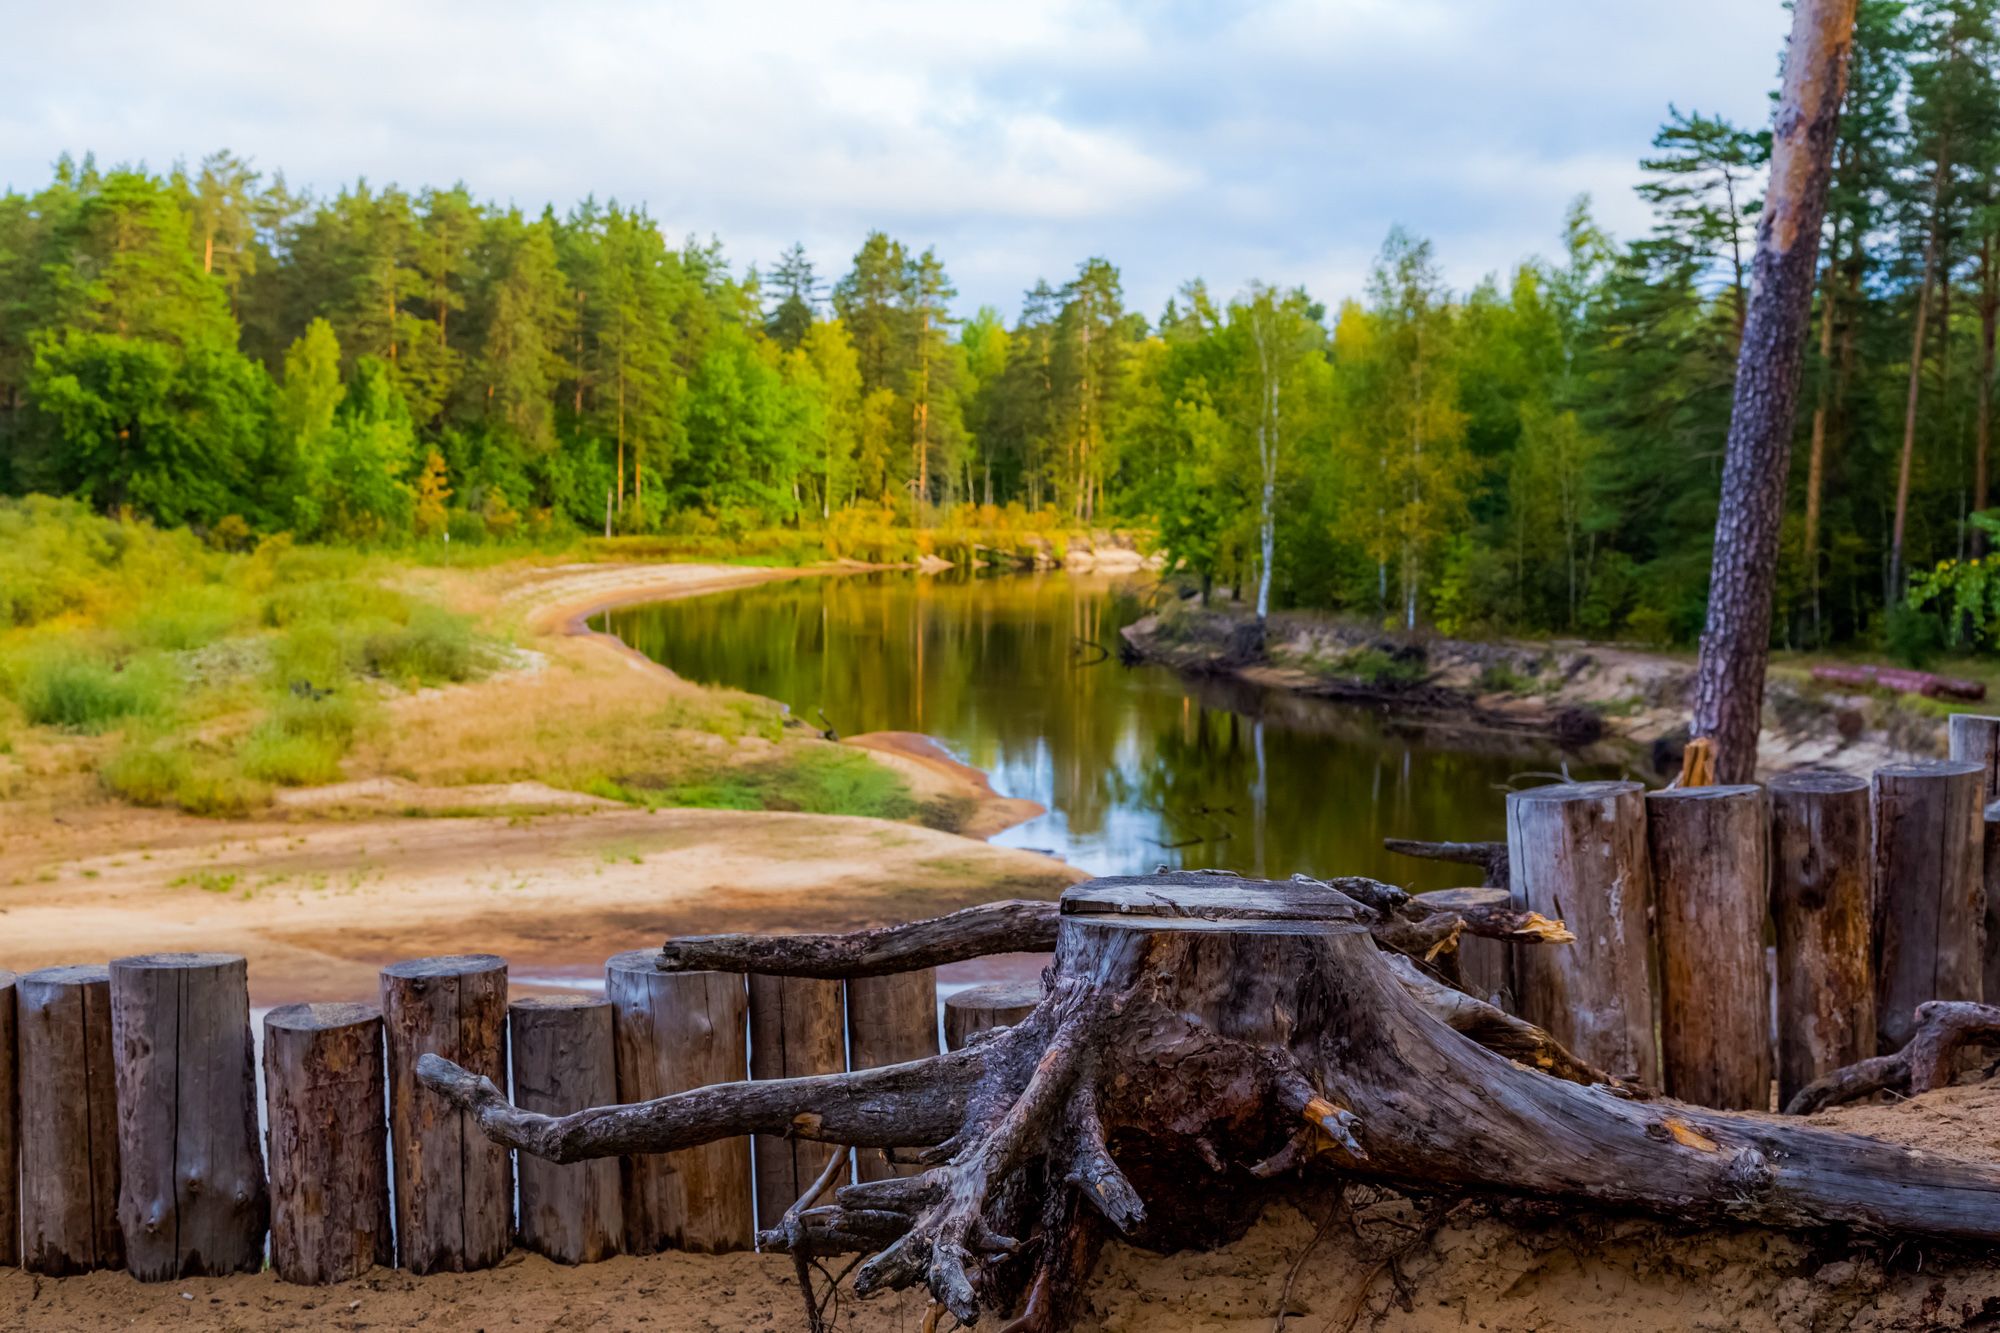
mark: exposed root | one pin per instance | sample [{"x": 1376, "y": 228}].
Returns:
[
  {"x": 1928, "y": 1061},
  {"x": 1499, "y": 1031}
]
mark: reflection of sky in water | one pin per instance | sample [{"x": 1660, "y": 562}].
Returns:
[{"x": 1138, "y": 767}]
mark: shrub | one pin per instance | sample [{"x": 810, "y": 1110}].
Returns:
[
  {"x": 1913, "y": 637},
  {"x": 79, "y": 691},
  {"x": 152, "y": 771},
  {"x": 433, "y": 646},
  {"x": 270, "y": 755}
]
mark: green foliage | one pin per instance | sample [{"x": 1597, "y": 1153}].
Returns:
[
  {"x": 432, "y": 647},
  {"x": 813, "y": 779},
  {"x": 1965, "y": 592},
  {"x": 64, "y": 686},
  {"x": 1912, "y": 636}
]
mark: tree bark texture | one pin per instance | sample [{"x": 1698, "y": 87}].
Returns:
[
  {"x": 976, "y": 1009},
  {"x": 563, "y": 1061},
  {"x": 1729, "y": 682},
  {"x": 890, "y": 1019},
  {"x": 798, "y": 1027},
  {"x": 1711, "y": 881},
  {"x": 10, "y": 1131},
  {"x": 191, "y": 1198},
  {"x": 674, "y": 1032},
  {"x": 329, "y": 1149},
  {"x": 1187, "y": 1066},
  {"x": 69, "y": 1122},
  {"x": 1930, "y": 898},
  {"x": 454, "y": 1189},
  {"x": 1822, "y": 888},
  {"x": 1485, "y": 965},
  {"x": 1577, "y": 851},
  {"x": 1976, "y": 740}
]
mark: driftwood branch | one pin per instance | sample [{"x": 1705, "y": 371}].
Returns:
[
  {"x": 1929, "y": 1060},
  {"x": 1490, "y": 857}
]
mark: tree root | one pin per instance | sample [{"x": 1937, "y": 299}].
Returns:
[{"x": 1928, "y": 1061}]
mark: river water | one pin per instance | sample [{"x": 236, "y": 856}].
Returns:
[{"x": 1138, "y": 766}]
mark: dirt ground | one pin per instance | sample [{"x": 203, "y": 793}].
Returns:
[{"x": 1506, "y": 1268}]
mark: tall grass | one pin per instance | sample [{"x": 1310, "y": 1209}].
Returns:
[{"x": 62, "y": 685}]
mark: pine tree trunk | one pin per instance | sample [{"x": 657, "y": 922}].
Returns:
[
  {"x": 1894, "y": 591},
  {"x": 1729, "y": 684}
]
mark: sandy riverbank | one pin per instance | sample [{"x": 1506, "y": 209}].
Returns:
[{"x": 405, "y": 859}]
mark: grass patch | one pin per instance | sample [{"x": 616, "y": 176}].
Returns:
[
  {"x": 165, "y": 772},
  {"x": 65, "y": 686},
  {"x": 807, "y": 778},
  {"x": 1381, "y": 670},
  {"x": 432, "y": 647}
]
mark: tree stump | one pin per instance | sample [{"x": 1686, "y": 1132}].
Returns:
[
  {"x": 10, "y": 1132},
  {"x": 674, "y": 1032},
  {"x": 1204, "y": 1049},
  {"x": 1822, "y": 877},
  {"x": 191, "y": 1197},
  {"x": 890, "y": 1019},
  {"x": 563, "y": 1062},
  {"x": 69, "y": 1122},
  {"x": 1485, "y": 965},
  {"x": 1577, "y": 852},
  {"x": 1711, "y": 881},
  {"x": 454, "y": 1188},
  {"x": 1976, "y": 740},
  {"x": 998, "y": 1004},
  {"x": 1930, "y": 901},
  {"x": 798, "y": 1026},
  {"x": 324, "y": 1090}
]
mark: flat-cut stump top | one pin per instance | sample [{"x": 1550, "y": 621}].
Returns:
[{"x": 1195, "y": 902}]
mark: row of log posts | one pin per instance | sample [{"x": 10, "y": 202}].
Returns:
[
  {"x": 10, "y": 1136},
  {"x": 797, "y": 1029},
  {"x": 890, "y": 1020},
  {"x": 1875, "y": 893}
]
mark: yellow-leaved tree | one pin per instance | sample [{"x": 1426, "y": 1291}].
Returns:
[{"x": 433, "y": 489}]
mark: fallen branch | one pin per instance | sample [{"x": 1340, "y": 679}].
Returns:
[
  {"x": 1928, "y": 1061},
  {"x": 1490, "y": 857}
]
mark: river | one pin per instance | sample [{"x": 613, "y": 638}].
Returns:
[{"x": 1137, "y": 766}]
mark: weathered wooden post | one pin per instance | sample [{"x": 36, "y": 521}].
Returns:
[
  {"x": 328, "y": 1137},
  {"x": 676, "y": 1031},
  {"x": 69, "y": 1122},
  {"x": 563, "y": 1062},
  {"x": 1577, "y": 853},
  {"x": 1930, "y": 903},
  {"x": 191, "y": 1194},
  {"x": 998, "y": 1004},
  {"x": 1485, "y": 966},
  {"x": 798, "y": 1027},
  {"x": 454, "y": 1186},
  {"x": 1822, "y": 878},
  {"x": 1976, "y": 740},
  {"x": 890, "y": 1019},
  {"x": 10, "y": 1134},
  {"x": 1711, "y": 881}
]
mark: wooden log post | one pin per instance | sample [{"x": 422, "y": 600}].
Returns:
[
  {"x": 10, "y": 1131},
  {"x": 454, "y": 1186},
  {"x": 1576, "y": 852},
  {"x": 69, "y": 1122},
  {"x": 1930, "y": 902},
  {"x": 1709, "y": 848},
  {"x": 675, "y": 1031},
  {"x": 191, "y": 1196},
  {"x": 1822, "y": 877},
  {"x": 798, "y": 1027},
  {"x": 998, "y": 1004},
  {"x": 890, "y": 1020},
  {"x": 1485, "y": 965},
  {"x": 1976, "y": 740},
  {"x": 328, "y": 1142},
  {"x": 563, "y": 1062}
]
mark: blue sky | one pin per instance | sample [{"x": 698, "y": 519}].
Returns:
[{"x": 1273, "y": 141}]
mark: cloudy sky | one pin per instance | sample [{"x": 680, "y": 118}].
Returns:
[{"x": 1274, "y": 140}]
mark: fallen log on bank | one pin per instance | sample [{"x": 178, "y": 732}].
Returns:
[{"x": 1201, "y": 1047}]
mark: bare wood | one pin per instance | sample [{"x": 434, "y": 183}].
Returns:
[
  {"x": 1485, "y": 965},
  {"x": 563, "y": 1061},
  {"x": 10, "y": 1131},
  {"x": 1577, "y": 852},
  {"x": 192, "y": 1198},
  {"x": 454, "y": 1187},
  {"x": 1736, "y": 639},
  {"x": 69, "y": 1122},
  {"x": 999, "y": 1004},
  {"x": 1172, "y": 1050},
  {"x": 798, "y": 1027},
  {"x": 1711, "y": 880},
  {"x": 1927, "y": 1061},
  {"x": 1018, "y": 926},
  {"x": 1930, "y": 904},
  {"x": 1976, "y": 740},
  {"x": 1822, "y": 873},
  {"x": 1490, "y": 857},
  {"x": 1698, "y": 763},
  {"x": 890, "y": 1020},
  {"x": 328, "y": 1137},
  {"x": 676, "y": 1031}
]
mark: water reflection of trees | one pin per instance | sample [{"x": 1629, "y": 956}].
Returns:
[{"x": 1137, "y": 761}]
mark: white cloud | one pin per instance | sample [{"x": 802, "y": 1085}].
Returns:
[{"x": 1275, "y": 140}]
